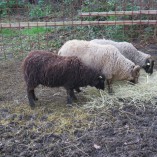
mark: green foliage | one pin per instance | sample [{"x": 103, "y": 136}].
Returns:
[
  {"x": 67, "y": 2},
  {"x": 37, "y": 11},
  {"x": 94, "y": 5},
  {"x": 52, "y": 38},
  {"x": 116, "y": 33},
  {"x": 35, "y": 30},
  {"x": 7, "y": 5},
  {"x": 8, "y": 32}
]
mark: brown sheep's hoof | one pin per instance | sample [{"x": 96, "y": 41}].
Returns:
[{"x": 32, "y": 106}]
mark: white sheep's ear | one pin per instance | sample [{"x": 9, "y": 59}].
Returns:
[
  {"x": 100, "y": 77},
  {"x": 148, "y": 63}
]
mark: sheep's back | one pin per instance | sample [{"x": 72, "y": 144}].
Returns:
[
  {"x": 127, "y": 49},
  {"x": 104, "y": 58},
  {"x": 41, "y": 67},
  {"x": 99, "y": 57},
  {"x": 47, "y": 69}
]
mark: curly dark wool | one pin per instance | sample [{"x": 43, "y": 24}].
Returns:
[{"x": 45, "y": 68}]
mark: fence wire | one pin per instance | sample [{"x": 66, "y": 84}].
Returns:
[
  {"x": 98, "y": 124},
  {"x": 38, "y": 24}
]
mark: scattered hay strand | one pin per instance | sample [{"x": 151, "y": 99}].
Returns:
[{"x": 144, "y": 91}]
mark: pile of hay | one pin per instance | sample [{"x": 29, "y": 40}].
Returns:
[{"x": 145, "y": 91}]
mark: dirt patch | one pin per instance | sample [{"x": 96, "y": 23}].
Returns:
[{"x": 126, "y": 128}]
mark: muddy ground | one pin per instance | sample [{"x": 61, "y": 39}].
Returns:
[{"x": 54, "y": 129}]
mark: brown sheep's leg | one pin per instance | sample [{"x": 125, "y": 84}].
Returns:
[
  {"x": 70, "y": 96},
  {"x": 30, "y": 94},
  {"x": 109, "y": 84},
  {"x": 73, "y": 94},
  {"x": 34, "y": 96}
]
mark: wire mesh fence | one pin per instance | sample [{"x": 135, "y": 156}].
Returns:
[
  {"x": 124, "y": 124},
  {"x": 38, "y": 24}
]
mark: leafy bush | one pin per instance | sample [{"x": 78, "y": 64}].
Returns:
[
  {"x": 37, "y": 11},
  {"x": 117, "y": 32},
  {"x": 7, "y": 32},
  {"x": 6, "y": 6},
  {"x": 94, "y": 5}
]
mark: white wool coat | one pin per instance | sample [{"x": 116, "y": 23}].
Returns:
[
  {"x": 127, "y": 49},
  {"x": 105, "y": 58}
]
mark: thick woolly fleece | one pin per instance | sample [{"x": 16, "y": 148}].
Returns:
[
  {"x": 45, "y": 68},
  {"x": 104, "y": 58},
  {"x": 128, "y": 50}
]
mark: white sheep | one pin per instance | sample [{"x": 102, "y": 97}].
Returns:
[
  {"x": 129, "y": 51},
  {"x": 104, "y": 58}
]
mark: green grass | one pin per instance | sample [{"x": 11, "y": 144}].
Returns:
[
  {"x": 7, "y": 32},
  {"x": 35, "y": 30},
  {"x": 18, "y": 42}
]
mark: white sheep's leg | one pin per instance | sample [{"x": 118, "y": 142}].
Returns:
[
  {"x": 109, "y": 84},
  {"x": 34, "y": 96}
]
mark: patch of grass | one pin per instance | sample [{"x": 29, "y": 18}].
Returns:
[
  {"x": 16, "y": 43},
  {"x": 7, "y": 32},
  {"x": 35, "y": 30},
  {"x": 62, "y": 118}
]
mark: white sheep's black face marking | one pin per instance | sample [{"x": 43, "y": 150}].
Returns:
[
  {"x": 100, "y": 83},
  {"x": 149, "y": 66}
]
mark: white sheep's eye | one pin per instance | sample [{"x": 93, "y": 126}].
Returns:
[
  {"x": 100, "y": 77},
  {"x": 148, "y": 63}
]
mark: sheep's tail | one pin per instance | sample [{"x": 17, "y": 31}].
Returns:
[{"x": 24, "y": 69}]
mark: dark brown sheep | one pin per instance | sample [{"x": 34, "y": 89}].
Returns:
[{"x": 45, "y": 68}]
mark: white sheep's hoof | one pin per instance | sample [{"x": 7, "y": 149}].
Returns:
[{"x": 111, "y": 93}]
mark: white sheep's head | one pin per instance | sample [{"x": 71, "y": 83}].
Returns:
[
  {"x": 99, "y": 83},
  {"x": 135, "y": 74},
  {"x": 149, "y": 65}
]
